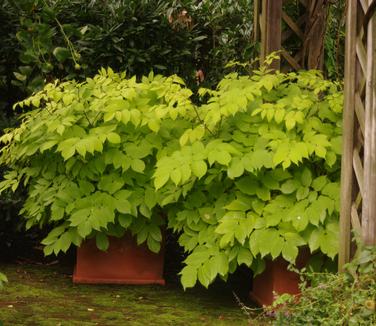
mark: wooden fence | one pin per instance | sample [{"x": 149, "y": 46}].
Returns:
[
  {"x": 300, "y": 40},
  {"x": 358, "y": 179}
]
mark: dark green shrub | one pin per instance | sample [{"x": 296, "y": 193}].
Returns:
[{"x": 73, "y": 39}]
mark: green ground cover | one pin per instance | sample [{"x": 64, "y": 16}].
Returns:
[{"x": 45, "y": 295}]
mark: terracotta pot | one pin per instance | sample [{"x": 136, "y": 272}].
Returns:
[
  {"x": 277, "y": 278},
  {"x": 123, "y": 263}
]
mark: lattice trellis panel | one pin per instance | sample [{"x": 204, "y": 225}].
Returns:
[
  {"x": 300, "y": 40},
  {"x": 358, "y": 179}
]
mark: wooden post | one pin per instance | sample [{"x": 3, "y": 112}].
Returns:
[
  {"x": 256, "y": 21},
  {"x": 369, "y": 197},
  {"x": 271, "y": 31},
  {"x": 348, "y": 138}
]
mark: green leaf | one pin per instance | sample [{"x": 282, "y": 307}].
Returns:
[
  {"x": 113, "y": 138},
  {"x": 247, "y": 185},
  {"x": 258, "y": 266},
  {"x": 244, "y": 257},
  {"x": 155, "y": 232},
  {"x": 61, "y": 54},
  {"x": 332, "y": 190},
  {"x": 3, "y": 279},
  {"x": 47, "y": 145},
  {"x": 188, "y": 276},
  {"x": 319, "y": 182},
  {"x": 125, "y": 220},
  {"x": 302, "y": 193},
  {"x": 123, "y": 206},
  {"x": 269, "y": 182},
  {"x": 142, "y": 235},
  {"x": 276, "y": 244},
  {"x": 144, "y": 210},
  {"x": 175, "y": 176},
  {"x": 84, "y": 229},
  {"x": 329, "y": 243},
  {"x": 306, "y": 177},
  {"x": 228, "y": 238},
  {"x": 199, "y": 168},
  {"x": 138, "y": 165},
  {"x": 161, "y": 179},
  {"x": 236, "y": 168},
  {"x": 258, "y": 206},
  {"x": 19, "y": 76},
  {"x": 241, "y": 233},
  {"x": 57, "y": 212},
  {"x": 79, "y": 216},
  {"x": 289, "y": 186},
  {"x": 263, "y": 193},
  {"x": 102, "y": 242},
  {"x": 110, "y": 183},
  {"x": 330, "y": 158},
  {"x": 289, "y": 252},
  {"x": 273, "y": 219},
  {"x": 315, "y": 213},
  {"x": 153, "y": 245},
  {"x": 300, "y": 222},
  {"x": 314, "y": 240},
  {"x": 281, "y": 154},
  {"x": 223, "y": 158},
  {"x": 221, "y": 263},
  {"x": 154, "y": 125},
  {"x": 262, "y": 158},
  {"x": 150, "y": 198},
  {"x": 239, "y": 205}
]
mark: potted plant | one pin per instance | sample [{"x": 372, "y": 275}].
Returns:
[
  {"x": 84, "y": 154},
  {"x": 250, "y": 176},
  {"x": 264, "y": 160}
]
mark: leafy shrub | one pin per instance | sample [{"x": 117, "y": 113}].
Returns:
[
  {"x": 264, "y": 158},
  {"x": 334, "y": 299},
  {"x": 86, "y": 155},
  {"x": 252, "y": 174}
]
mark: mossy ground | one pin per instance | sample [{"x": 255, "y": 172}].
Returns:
[{"x": 45, "y": 295}]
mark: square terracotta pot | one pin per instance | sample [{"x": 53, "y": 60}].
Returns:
[
  {"x": 277, "y": 278},
  {"x": 123, "y": 263}
]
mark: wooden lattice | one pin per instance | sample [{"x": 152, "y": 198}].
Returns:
[
  {"x": 300, "y": 41},
  {"x": 358, "y": 179}
]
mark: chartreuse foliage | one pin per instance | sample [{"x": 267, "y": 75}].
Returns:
[
  {"x": 3, "y": 279},
  {"x": 86, "y": 153},
  {"x": 265, "y": 163},
  {"x": 252, "y": 173}
]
